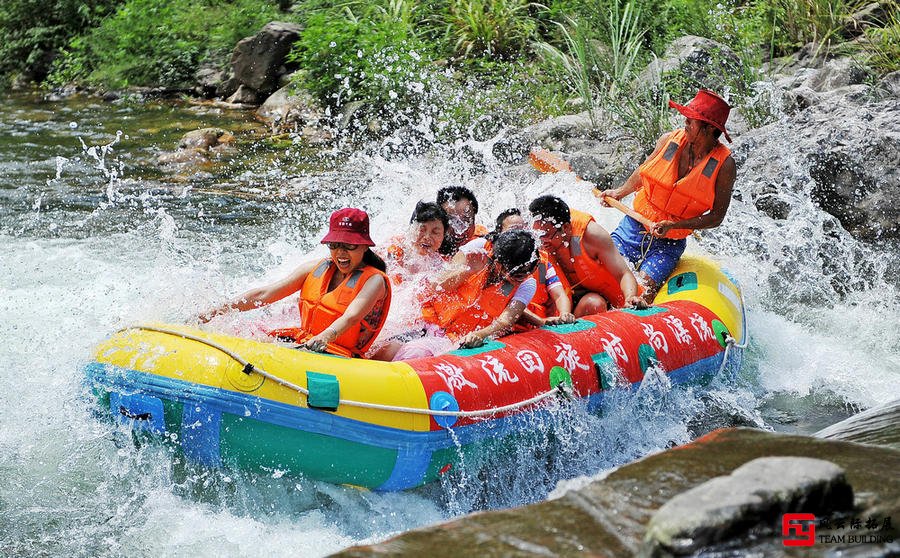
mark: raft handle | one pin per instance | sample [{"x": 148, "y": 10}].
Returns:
[
  {"x": 134, "y": 416},
  {"x": 564, "y": 390}
]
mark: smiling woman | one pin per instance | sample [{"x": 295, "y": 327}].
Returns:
[
  {"x": 344, "y": 300},
  {"x": 416, "y": 252}
]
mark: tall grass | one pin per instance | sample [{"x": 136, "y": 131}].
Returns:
[
  {"x": 601, "y": 67},
  {"x": 795, "y": 23},
  {"x": 501, "y": 28},
  {"x": 881, "y": 48},
  {"x": 576, "y": 63}
]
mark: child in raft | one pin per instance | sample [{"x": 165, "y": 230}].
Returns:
[
  {"x": 479, "y": 297},
  {"x": 552, "y": 302}
]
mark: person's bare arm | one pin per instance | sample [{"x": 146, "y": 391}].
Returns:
[
  {"x": 599, "y": 246},
  {"x": 371, "y": 293},
  {"x": 261, "y": 296},
  {"x": 532, "y": 318},
  {"x": 714, "y": 217},
  {"x": 633, "y": 182},
  {"x": 499, "y": 327},
  {"x": 563, "y": 304}
]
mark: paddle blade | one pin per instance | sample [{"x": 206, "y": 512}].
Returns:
[{"x": 544, "y": 161}]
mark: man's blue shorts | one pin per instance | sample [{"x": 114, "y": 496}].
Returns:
[{"x": 660, "y": 255}]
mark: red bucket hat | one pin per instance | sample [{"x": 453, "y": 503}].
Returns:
[
  {"x": 708, "y": 107},
  {"x": 349, "y": 225}
]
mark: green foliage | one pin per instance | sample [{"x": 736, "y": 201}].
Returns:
[
  {"x": 501, "y": 28},
  {"x": 153, "y": 42},
  {"x": 678, "y": 18},
  {"x": 600, "y": 62},
  {"x": 450, "y": 63},
  {"x": 791, "y": 24},
  {"x": 32, "y": 31},
  {"x": 645, "y": 113},
  {"x": 881, "y": 47},
  {"x": 374, "y": 56}
]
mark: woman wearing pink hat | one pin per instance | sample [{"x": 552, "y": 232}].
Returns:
[
  {"x": 685, "y": 184},
  {"x": 344, "y": 299}
]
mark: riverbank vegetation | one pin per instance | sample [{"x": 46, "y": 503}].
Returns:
[{"x": 451, "y": 61}]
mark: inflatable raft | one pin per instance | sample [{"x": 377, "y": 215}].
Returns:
[{"x": 237, "y": 403}]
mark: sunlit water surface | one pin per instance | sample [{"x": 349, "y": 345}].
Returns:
[{"x": 95, "y": 239}]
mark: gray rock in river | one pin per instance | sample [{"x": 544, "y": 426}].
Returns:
[
  {"x": 876, "y": 426},
  {"x": 759, "y": 491},
  {"x": 259, "y": 61},
  {"x": 609, "y": 517}
]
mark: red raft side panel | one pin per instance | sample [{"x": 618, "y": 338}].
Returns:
[{"x": 518, "y": 367}]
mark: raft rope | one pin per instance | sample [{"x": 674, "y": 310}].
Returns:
[
  {"x": 729, "y": 343},
  {"x": 249, "y": 368}
]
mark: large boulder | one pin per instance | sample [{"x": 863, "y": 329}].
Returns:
[
  {"x": 609, "y": 516},
  {"x": 292, "y": 110},
  {"x": 876, "y": 426},
  {"x": 697, "y": 62},
  {"x": 838, "y": 143},
  {"x": 259, "y": 61},
  {"x": 753, "y": 493}
]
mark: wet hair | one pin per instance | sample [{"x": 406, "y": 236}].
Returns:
[
  {"x": 498, "y": 223},
  {"x": 374, "y": 260},
  {"x": 429, "y": 211},
  {"x": 515, "y": 249},
  {"x": 456, "y": 193},
  {"x": 551, "y": 209},
  {"x": 503, "y": 215}
]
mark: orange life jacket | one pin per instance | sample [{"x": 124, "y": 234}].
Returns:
[
  {"x": 397, "y": 255},
  {"x": 472, "y": 306},
  {"x": 589, "y": 274},
  {"x": 480, "y": 230},
  {"x": 395, "y": 251},
  {"x": 663, "y": 197},
  {"x": 541, "y": 304},
  {"x": 319, "y": 309}
]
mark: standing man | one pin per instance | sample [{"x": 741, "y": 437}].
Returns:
[
  {"x": 685, "y": 184},
  {"x": 583, "y": 251}
]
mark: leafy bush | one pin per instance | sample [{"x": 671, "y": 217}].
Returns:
[
  {"x": 501, "y": 28},
  {"x": 372, "y": 57},
  {"x": 33, "y": 31},
  {"x": 153, "y": 42}
]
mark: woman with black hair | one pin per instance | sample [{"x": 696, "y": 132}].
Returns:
[{"x": 416, "y": 251}]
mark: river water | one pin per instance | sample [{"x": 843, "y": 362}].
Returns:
[{"x": 97, "y": 236}]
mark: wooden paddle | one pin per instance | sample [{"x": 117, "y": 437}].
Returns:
[{"x": 544, "y": 161}]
